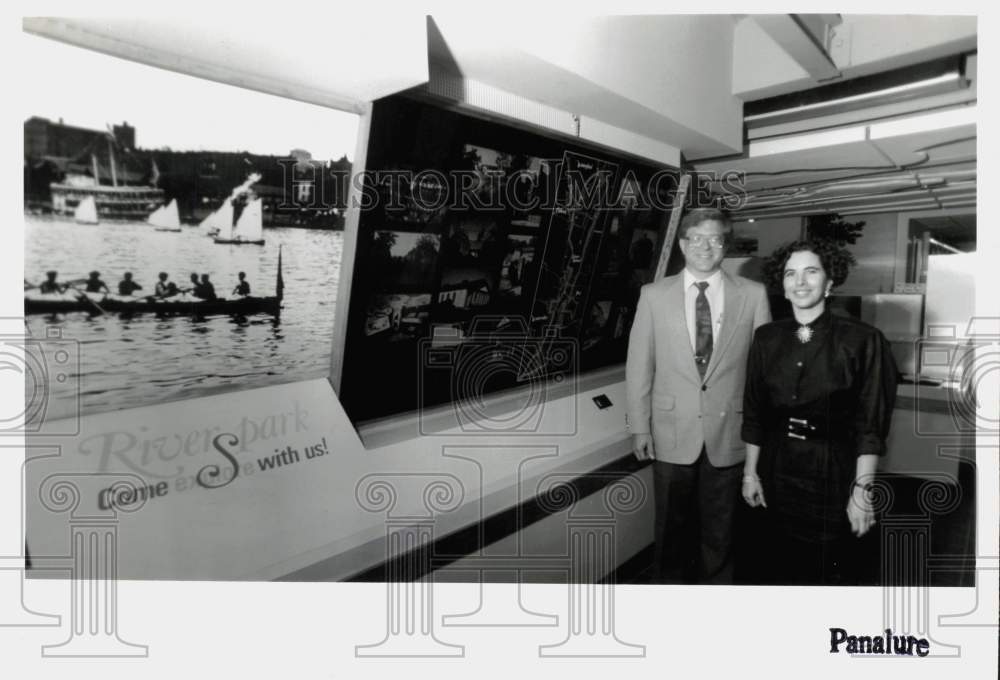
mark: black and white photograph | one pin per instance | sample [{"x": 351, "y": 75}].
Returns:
[
  {"x": 194, "y": 248},
  {"x": 473, "y": 240},
  {"x": 512, "y": 183},
  {"x": 398, "y": 315},
  {"x": 517, "y": 263},
  {"x": 493, "y": 340},
  {"x": 416, "y": 199},
  {"x": 403, "y": 260}
]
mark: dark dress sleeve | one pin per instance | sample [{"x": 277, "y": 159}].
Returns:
[
  {"x": 876, "y": 396},
  {"x": 755, "y": 401}
]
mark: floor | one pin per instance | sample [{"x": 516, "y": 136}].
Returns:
[{"x": 945, "y": 514}]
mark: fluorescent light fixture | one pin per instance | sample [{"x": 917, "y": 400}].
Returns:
[
  {"x": 930, "y": 122},
  {"x": 951, "y": 78},
  {"x": 812, "y": 140}
]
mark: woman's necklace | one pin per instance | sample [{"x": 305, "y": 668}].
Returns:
[{"x": 804, "y": 333}]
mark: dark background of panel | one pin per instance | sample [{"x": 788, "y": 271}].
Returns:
[{"x": 449, "y": 303}]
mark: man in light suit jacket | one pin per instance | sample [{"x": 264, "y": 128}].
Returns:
[{"x": 685, "y": 373}]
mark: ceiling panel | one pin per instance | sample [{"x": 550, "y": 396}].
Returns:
[
  {"x": 804, "y": 166},
  {"x": 225, "y": 49},
  {"x": 916, "y": 167},
  {"x": 941, "y": 146},
  {"x": 632, "y": 79}
]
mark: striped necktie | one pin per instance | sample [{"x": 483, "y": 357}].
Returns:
[{"x": 703, "y": 329}]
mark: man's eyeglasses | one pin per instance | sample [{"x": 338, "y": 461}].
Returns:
[{"x": 697, "y": 240}]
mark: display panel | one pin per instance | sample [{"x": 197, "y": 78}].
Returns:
[
  {"x": 173, "y": 252},
  {"x": 490, "y": 257}
]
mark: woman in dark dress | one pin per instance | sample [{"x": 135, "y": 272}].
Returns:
[{"x": 818, "y": 401}]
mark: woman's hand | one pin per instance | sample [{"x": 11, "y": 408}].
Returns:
[
  {"x": 753, "y": 492},
  {"x": 859, "y": 511}
]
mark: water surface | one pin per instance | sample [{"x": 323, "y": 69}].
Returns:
[{"x": 128, "y": 362}]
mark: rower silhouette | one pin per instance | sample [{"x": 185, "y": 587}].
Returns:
[
  {"x": 205, "y": 290},
  {"x": 242, "y": 288},
  {"x": 163, "y": 287},
  {"x": 95, "y": 285},
  {"x": 50, "y": 285},
  {"x": 127, "y": 286}
]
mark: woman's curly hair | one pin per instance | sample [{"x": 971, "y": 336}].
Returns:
[{"x": 836, "y": 261}]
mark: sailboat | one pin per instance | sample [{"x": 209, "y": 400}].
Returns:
[
  {"x": 248, "y": 228},
  {"x": 86, "y": 211},
  {"x": 165, "y": 218},
  {"x": 219, "y": 219}
]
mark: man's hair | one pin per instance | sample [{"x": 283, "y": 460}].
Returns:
[
  {"x": 835, "y": 259},
  {"x": 695, "y": 217}
]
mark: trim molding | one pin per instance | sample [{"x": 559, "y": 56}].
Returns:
[
  {"x": 421, "y": 561},
  {"x": 401, "y": 427}
]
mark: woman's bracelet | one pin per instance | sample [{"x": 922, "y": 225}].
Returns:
[
  {"x": 750, "y": 478},
  {"x": 864, "y": 487}
]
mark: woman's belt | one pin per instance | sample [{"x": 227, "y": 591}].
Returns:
[
  {"x": 810, "y": 426},
  {"x": 805, "y": 428}
]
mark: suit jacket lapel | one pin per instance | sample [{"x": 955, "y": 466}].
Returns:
[
  {"x": 676, "y": 318},
  {"x": 733, "y": 309}
]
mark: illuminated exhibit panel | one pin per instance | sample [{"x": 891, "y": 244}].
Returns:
[
  {"x": 275, "y": 484},
  {"x": 489, "y": 257}
]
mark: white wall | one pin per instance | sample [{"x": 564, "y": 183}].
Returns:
[
  {"x": 876, "y": 255},
  {"x": 776, "y": 231},
  {"x": 876, "y": 250}
]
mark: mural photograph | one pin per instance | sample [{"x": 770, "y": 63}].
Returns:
[{"x": 195, "y": 246}]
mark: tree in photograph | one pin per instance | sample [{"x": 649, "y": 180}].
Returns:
[
  {"x": 834, "y": 227},
  {"x": 380, "y": 259},
  {"x": 418, "y": 264}
]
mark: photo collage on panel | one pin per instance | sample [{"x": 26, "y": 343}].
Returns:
[{"x": 485, "y": 234}]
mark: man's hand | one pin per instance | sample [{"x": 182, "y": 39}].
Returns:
[{"x": 642, "y": 446}]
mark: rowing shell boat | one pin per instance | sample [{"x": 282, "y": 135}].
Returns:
[
  {"x": 174, "y": 306},
  {"x": 178, "y": 305}
]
